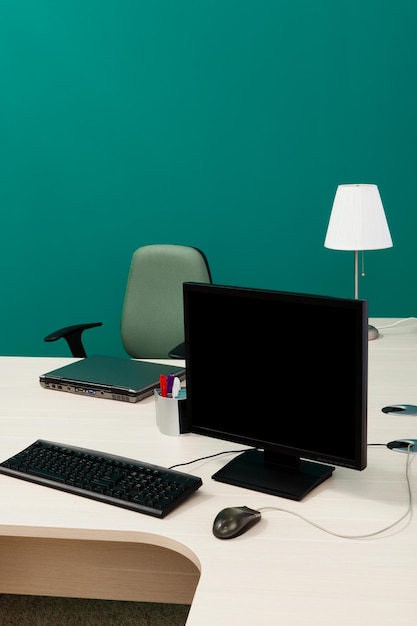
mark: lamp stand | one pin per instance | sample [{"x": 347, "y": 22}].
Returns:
[{"x": 372, "y": 331}]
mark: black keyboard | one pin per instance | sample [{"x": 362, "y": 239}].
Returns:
[{"x": 131, "y": 484}]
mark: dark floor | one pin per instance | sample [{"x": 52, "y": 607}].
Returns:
[{"x": 44, "y": 611}]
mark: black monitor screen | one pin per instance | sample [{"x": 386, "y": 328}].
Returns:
[{"x": 283, "y": 373}]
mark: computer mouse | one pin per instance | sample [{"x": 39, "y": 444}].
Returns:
[
  {"x": 403, "y": 445},
  {"x": 405, "y": 409},
  {"x": 234, "y": 521},
  {"x": 373, "y": 333}
]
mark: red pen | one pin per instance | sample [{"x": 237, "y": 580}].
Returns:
[{"x": 163, "y": 383}]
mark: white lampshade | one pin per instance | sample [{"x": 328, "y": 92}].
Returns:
[{"x": 357, "y": 220}]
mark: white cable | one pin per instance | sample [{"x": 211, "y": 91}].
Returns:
[
  {"x": 409, "y": 511},
  {"x": 405, "y": 319}
]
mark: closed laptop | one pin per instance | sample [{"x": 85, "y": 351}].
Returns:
[{"x": 115, "y": 378}]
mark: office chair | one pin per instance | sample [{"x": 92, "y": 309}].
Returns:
[{"x": 152, "y": 320}]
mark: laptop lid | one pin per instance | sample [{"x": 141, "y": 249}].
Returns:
[{"x": 115, "y": 378}]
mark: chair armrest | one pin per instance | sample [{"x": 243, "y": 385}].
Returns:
[
  {"x": 178, "y": 352},
  {"x": 72, "y": 335}
]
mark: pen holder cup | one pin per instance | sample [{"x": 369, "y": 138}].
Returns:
[{"x": 171, "y": 414}]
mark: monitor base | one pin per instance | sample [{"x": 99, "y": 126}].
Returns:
[{"x": 253, "y": 470}]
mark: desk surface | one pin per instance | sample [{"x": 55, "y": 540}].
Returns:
[{"x": 283, "y": 569}]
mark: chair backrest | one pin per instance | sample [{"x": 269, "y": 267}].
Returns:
[{"x": 152, "y": 321}]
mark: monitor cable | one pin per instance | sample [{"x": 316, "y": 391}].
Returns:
[{"x": 210, "y": 456}]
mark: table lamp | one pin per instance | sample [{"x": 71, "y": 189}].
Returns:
[{"x": 357, "y": 222}]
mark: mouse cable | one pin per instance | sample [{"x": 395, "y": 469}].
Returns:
[
  {"x": 210, "y": 456},
  {"x": 405, "y": 319},
  {"x": 409, "y": 511}
]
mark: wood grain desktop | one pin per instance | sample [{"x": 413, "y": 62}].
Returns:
[{"x": 56, "y": 544}]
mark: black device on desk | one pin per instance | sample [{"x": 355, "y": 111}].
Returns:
[
  {"x": 112, "y": 479},
  {"x": 284, "y": 373}
]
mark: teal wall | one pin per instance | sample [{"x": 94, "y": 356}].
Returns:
[{"x": 223, "y": 124}]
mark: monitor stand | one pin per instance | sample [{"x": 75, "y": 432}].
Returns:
[{"x": 278, "y": 475}]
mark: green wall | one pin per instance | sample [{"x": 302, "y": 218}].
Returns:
[{"x": 224, "y": 124}]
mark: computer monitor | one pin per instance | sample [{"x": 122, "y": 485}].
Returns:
[{"x": 283, "y": 373}]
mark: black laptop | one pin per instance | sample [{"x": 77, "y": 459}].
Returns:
[{"x": 115, "y": 378}]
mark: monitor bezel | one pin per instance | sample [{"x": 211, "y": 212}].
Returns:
[{"x": 358, "y": 461}]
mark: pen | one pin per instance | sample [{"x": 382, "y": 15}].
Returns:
[
  {"x": 163, "y": 383},
  {"x": 170, "y": 382},
  {"x": 175, "y": 387}
]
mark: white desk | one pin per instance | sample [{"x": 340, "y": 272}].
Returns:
[{"x": 283, "y": 571}]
